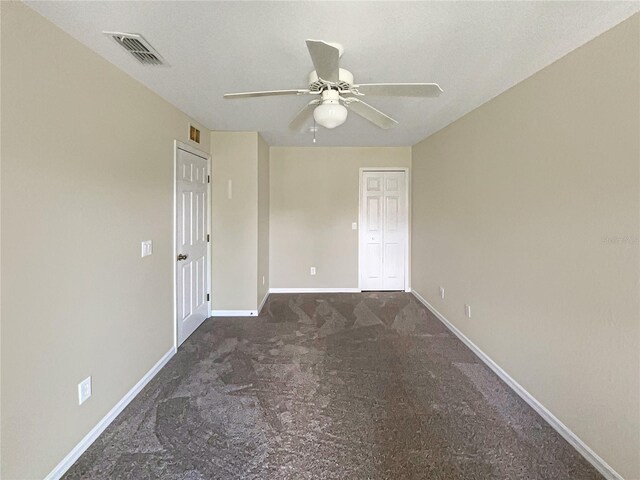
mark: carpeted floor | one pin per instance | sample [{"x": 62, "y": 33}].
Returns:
[{"x": 329, "y": 386}]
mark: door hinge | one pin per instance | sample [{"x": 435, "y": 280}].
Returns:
[
  {"x": 208, "y": 237},
  {"x": 208, "y": 178},
  {"x": 207, "y": 297}
]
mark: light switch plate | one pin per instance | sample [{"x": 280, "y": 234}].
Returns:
[
  {"x": 147, "y": 248},
  {"x": 442, "y": 292},
  {"x": 467, "y": 311},
  {"x": 84, "y": 390},
  {"x": 354, "y": 226},
  {"x": 312, "y": 271}
]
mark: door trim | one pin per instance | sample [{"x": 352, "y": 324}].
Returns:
[
  {"x": 178, "y": 145},
  {"x": 407, "y": 249}
]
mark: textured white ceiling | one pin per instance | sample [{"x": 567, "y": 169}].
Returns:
[{"x": 474, "y": 50}]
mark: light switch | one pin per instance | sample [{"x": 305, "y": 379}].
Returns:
[
  {"x": 354, "y": 226},
  {"x": 147, "y": 248}
]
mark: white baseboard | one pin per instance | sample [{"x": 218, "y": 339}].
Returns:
[
  {"x": 95, "y": 432},
  {"x": 241, "y": 313},
  {"x": 255, "y": 313},
  {"x": 314, "y": 290},
  {"x": 234, "y": 313},
  {"x": 264, "y": 300},
  {"x": 593, "y": 458}
]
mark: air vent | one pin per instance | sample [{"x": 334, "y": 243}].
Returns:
[
  {"x": 137, "y": 46},
  {"x": 194, "y": 134}
]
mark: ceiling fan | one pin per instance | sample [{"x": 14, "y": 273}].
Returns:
[{"x": 337, "y": 92}]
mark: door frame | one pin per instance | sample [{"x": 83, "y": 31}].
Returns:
[
  {"x": 407, "y": 249},
  {"x": 178, "y": 145}
]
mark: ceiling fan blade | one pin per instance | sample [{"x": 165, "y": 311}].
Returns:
[
  {"x": 267, "y": 93},
  {"x": 303, "y": 115},
  {"x": 400, "y": 89},
  {"x": 325, "y": 59},
  {"x": 374, "y": 115}
]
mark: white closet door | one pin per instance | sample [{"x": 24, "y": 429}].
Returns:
[
  {"x": 371, "y": 233},
  {"x": 192, "y": 211},
  {"x": 383, "y": 234},
  {"x": 394, "y": 231}
]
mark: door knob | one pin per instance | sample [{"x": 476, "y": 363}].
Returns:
[{"x": 182, "y": 256}]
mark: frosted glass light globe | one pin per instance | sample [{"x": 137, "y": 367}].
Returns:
[{"x": 330, "y": 114}]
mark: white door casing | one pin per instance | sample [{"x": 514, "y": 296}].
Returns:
[
  {"x": 191, "y": 241},
  {"x": 383, "y": 230}
]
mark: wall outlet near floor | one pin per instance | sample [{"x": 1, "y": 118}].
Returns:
[
  {"x": 442, "y": 292},
  {"x": 312, "y": 271},
  {"x": 467, "y": 311},
  {"x": 84, "y": 390},
  {"x": 146, "y": 248}
]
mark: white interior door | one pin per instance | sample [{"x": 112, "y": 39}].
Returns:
[
  {"x": 383, "y": 230},
  {"x": 192, "y": 259}
]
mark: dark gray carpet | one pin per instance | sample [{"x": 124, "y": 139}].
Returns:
[{"x": 332, "y": 386}]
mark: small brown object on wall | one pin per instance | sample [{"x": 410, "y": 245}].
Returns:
[{"x": 194, "y": 134}]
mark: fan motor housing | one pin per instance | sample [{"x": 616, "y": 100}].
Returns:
[{"x": 345, "y": 81}]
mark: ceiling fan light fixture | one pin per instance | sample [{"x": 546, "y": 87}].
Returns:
[
  {"x": 330, "y": 114},
  {"x": 330, "y": 82}
]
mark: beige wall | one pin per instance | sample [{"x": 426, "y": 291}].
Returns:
[
  {"x": 234, "y": 223},
  {"x": 87, "y": 174},
  {"x": 314, "y": 200},
  {"x": 528, "y": 210},
  {"x": 240, "y": 224},
  {"x": 263, "y": 219}
]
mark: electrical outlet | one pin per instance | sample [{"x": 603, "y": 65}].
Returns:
[
  {"x": 442, "y": 293},
  {"x": 467, "y": 311},
  {"x": 84, "y": 390},
  {"x": 312, "y": 271},
  {"x": 146, "y": 248}
]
